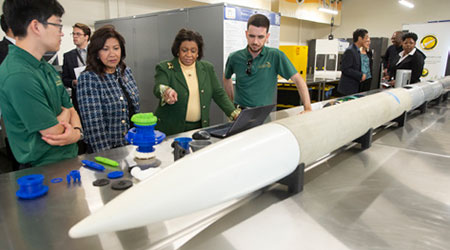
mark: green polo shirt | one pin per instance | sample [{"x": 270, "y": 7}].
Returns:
[
  {"x": 31, "y": 97},
  {"x": 258, "y": 88}
]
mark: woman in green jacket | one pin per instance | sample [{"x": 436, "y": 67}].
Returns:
[{"x": 185, "y": 85}]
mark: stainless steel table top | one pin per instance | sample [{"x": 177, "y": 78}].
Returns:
[
  {"x": 402, "y": 177},
  {"x": 394, "y": 195},
  {"x": 43, "y": 223}
]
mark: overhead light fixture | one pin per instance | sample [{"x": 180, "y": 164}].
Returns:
[
  {"x": 406, "y": 3},
  {"x": 329, "y": 11}
]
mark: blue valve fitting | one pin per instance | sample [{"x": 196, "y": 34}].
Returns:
[
  {"x": 144, "y": 134},
  {"x": 31, "y": 186}
]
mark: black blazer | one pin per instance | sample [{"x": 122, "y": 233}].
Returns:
[
  {"x": 390, "y": 55},
  {"x": 4, "y": 49},
  {"x": 413, "y": 62},
  {"x": 70, "y": 62},
  {"x": 351, "y": 71}
]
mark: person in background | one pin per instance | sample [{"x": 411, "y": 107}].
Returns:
[
  {"x": 7, "y": 40},
  {"x": 410, "y": 58},
  {"x": 366, "y": 66},
  {"x": 186, "y": 85},
  {"x": 391, "y": 53},
  {"x": 257, "y": 68},
  {"x": 352, "y": 76},
  {"x": 41, "y": 123},
  {"x": 107, "y": 92},
  {"x": 75, "y": 58}
]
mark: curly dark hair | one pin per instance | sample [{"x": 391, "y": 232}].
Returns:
[
  {"x": 98, "y": 40},
  {"x": 410, "y": 35},
  {"x": 187, "y": 35}
]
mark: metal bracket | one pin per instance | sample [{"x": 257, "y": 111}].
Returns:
[
  {"x": 401, "y": 120},
  {"x": 366, "y": 139},
  {"x": 295, "y": 180},
  {"x": 445, "y": 96},
  {"x": 423, "y": 108}
]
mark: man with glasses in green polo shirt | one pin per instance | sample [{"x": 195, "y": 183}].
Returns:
[
  {"x": 41, "y": 123},
  {"x": 257, "y": 68}
]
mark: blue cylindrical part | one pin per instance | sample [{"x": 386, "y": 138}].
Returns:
[
  {"x": 31, "y": 186},
  {"x": 184, "y": 142},
  {"x": 145, "y": 137}
]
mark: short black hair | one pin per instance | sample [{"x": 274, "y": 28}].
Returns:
[
  {"x": 187, "y": 35},
  {"x": 259, "y": 20},
  {"x": 410, "y": 35},
  {"x": 4, "y": 25},
  {"x": 359, "y": 33},
  {"x": 20, "y": 13}
]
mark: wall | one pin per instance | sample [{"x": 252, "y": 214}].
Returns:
[
  {"x": 381, "y": 17},
  {"x": 89, "y": 11},
  {"x": 298, "y": 32},
  {"x": 256, "y": 4}
]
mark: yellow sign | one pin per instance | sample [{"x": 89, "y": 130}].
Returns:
[{"x": 428, "y": 42}]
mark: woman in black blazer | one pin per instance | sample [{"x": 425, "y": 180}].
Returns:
[{"x": 410, "y": 58}]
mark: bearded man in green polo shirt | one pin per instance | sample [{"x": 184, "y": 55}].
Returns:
[
  {"x": 257, "y": 68},
  {"x": 41, "y": 123}
]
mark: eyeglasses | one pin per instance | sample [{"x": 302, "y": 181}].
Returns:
[
  {"x": 55, "y": 24},
  {"x": 249, "y": 66},
  {"x": 76, "y": 34}
]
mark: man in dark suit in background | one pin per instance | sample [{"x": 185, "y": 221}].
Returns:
[
  {"x": 76, "y": 58},
  {"x": 352, "y": 75},
  {"x": 392, "y": 53},
  {"x": 7, "y": 40},
  {"x": 73, "y": 59}
]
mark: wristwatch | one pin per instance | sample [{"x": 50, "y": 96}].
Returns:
[{"x": 81, "y": 133}]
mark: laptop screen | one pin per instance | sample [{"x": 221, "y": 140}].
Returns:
[{"x": 248, "y": 118}]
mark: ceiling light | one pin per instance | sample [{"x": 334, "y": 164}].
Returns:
[
  {"x": 406, "y": 3},
  {"x": 329, "y": 11}
]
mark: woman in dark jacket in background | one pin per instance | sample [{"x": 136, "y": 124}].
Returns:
[{"x": 410, "y": 58}]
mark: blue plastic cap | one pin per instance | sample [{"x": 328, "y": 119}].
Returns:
[
  {"x": 31, "y": 186},
  {"x": 184, "y": 142},
  {"x": 115, "y": 174}
]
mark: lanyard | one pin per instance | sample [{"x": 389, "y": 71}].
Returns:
[{"x": 79, "y": 57}]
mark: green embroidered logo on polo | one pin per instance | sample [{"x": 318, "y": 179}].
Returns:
[
  {"x": 58, "y": 81},
  {"x": 265, "y": 65}
]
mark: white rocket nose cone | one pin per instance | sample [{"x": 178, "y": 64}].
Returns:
[{"x": 218, "y": 173}]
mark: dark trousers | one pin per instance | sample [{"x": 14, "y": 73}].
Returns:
[
  {"x": 9, "y": 154},
  {"x": 365, "y": 85}
]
